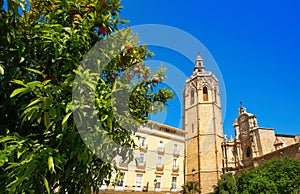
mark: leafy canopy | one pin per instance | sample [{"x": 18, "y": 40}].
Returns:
[
  {"x": 279, "y": 175},
  {"x": 190, "y": 187},
  {"x": 42, "y": 46}
]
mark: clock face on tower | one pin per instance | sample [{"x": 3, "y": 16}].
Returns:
[{"x": 244, "y": 125}]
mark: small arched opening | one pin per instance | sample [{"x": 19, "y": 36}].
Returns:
[
  {"x": 205, "y": 94},
  {"x": 192, "y": 100}
]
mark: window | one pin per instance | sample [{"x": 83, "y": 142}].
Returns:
[
  {"x": 205, "y": 94},
  {"x": 143, "y": 142},
  {"x": 158, "y": 183},
  {"x": 142, "y": 158},
  {"x": 124, "y": 159},
  {"x": 161, "y": 146},
  {"x": 175, "y": 163},
  {"x": 138, "y": 182},
  {"x": 175, "y": 148},
  {"x": 192, "y": 97},
  {"x": 192, "y": 128},
  {"x": 159, "y": 161},
  {"x": 216, "y": 100},
  {"x": 174, "y": 184},
  {"x": 141, "y": 162},
  {"x": 248, "y": 152}
]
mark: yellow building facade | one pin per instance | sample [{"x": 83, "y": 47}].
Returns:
[{"x": 158, "y": 163}]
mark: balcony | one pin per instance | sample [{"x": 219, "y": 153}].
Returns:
[
  {"x": 174, "y": 188},
  {"x": 175, "y": 169},
  {"x": 141, "y": 165},
  {"x": 161, "y": 150},
  {"x": 143, "y": 148},
  {"x": 175, "y": 153},
  {"x": 159, "y": 167}
]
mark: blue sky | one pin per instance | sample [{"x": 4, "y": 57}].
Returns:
[{"x": 256, "y": 45}]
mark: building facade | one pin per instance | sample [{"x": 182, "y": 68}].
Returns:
[
  {"x": 253, "y": 144},
  {"x": 158, "y": 161},
  {"x": 202, "y": 122}
]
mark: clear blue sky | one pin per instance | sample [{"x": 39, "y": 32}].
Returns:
[{"x": 256, "y": 45}]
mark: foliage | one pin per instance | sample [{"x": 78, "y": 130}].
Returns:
[
  {"x": 226, "y": 185},
  {"x": 42, "y": 45},
  {"x": 190, "y": 187},
  {"x": 279, "y": 175}
]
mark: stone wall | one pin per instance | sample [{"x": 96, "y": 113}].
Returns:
[{"x": 292, "y": 151}]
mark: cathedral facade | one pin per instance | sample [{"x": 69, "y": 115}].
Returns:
[
  {"x": 254, "y": 144},
  {"x": 208, "y": 152}
]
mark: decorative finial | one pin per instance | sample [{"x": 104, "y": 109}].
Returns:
[
  {"x": 242, "y": 109},
  {"x": 199, "y": 58},
  {"x": 225, "y": 138},
  {"x": 199, "y": 64}
]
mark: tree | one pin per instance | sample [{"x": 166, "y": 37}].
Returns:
[
  {"x": 279, "y": 175},
  {"x": 226, "y": 185},
  {"x": 190, "y": 187},
  {"x": 43, "y": 47}
]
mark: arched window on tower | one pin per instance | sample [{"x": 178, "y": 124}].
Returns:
[
  {"x": 248, "y": 152},
  {"x": 205, "y": 94},
  {"x": 192, "y": 97},
  {"x": 215, "y": 93}
]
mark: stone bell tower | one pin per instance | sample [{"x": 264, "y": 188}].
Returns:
[{"x": 202, "y": 120}]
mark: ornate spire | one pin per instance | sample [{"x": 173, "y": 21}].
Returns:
[
  {"x": 199, "y": 64},
  {"x": 242, "y": 109}
]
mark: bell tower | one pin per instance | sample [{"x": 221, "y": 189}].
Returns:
[{"x": 202, "y": 120}]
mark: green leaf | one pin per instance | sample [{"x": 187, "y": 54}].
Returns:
[
  {"x": 8, "y": 38},
  {"x": 46, "y": 103},
  {"x": 53, "y": 113},
  {"x": 18, "y": 82},
  {"x": 33, "y": 84},
  {"x": 46, "y": 184},
  {"x": 46, "y": 119},
  {"x": 104, "y": 117},
  {"x": 22, "y": 59},
  {"x": 7, "y": 138},
  {"x": 29, "y": 112},
  {"x": 18, "y": 91},
  {"x": 66, "y": 118},
  {"x": 69, "y": 107},
  {"x": 35, "y": 71},
  {"x": 1, "y": 70},
  {"x": 34, "y": 102},
  {"x": 51, "y": 164}
]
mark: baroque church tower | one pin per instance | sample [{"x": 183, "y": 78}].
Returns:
[{"x": 202, "y": 121}]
